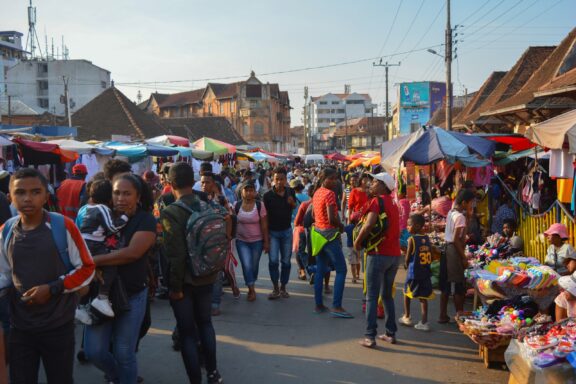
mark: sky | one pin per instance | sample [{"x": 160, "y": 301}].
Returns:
[{"x": 178, "y": 45}]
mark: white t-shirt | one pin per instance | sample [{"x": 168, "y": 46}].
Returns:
[{"x": 454, "y": 220}]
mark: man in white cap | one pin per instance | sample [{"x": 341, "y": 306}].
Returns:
[{"x": 382, "y": 261}]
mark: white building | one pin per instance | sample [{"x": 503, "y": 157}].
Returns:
[
  {"x": 40, "y": 83},
  {"x": 328, "y": 110},
  {"x": 11, "y": 53}
]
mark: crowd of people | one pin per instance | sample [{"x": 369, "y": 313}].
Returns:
[{"x": 123, "y": 238}]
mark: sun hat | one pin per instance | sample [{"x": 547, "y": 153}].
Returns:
[
  {"x": 568, "y": 283},
  {"x": 79, "y": 169},
  {"x": 295, "y": 183},
  {"x": 557, "y": 229},
  {"x": 385, "y": 178}
]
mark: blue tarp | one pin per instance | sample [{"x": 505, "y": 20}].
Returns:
[{"x": 437, "y": 144}]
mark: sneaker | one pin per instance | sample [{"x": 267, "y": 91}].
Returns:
[
  {"x": 422, "y": 326},
  {"x": 275, "y": 294},
  {"x": 404, "y": 320},
  {"x": 83, "y": 316},
  {"x": 388, "y": 338},
  {"x": 215, "y": 377},
  {"x": 103, "y": 306}
]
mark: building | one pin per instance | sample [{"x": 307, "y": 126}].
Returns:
[
  {"x": 359, "y": 134},
  {"x": 417, "y": 103},
  {"x": 297, "y": 140},
  {"x": 39, "y": 83},
  {"x": 259, "y": 112},
  {"x": 328, "y": 110},
  {"x": 11, "y": 53}
]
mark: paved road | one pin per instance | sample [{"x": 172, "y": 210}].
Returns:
[{"x": 284, "y": 342}]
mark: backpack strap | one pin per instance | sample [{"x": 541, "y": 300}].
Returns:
[
  {"x": 380, "y": 205},
  {"x": 258, "y": 207},
  {"x": 180, "y": 204},
  {"x": 7, "y": 231},
  {"x": 60, "y": 236}
]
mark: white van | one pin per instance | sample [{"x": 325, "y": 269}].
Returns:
[{"x": 314, "y": 159}]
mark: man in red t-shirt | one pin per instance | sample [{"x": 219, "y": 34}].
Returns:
[{"x": 382, "y": 262}]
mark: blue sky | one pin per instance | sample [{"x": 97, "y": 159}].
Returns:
[{"x": 173, "y": 40}]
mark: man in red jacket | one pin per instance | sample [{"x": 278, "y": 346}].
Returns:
[{"x": 71, "y": 191}]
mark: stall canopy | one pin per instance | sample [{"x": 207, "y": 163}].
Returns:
[
  {"x": 80, "y": 147},
  {"x": 261, "y": 156},
  {"x": 4, "y": 142},
  {"x": 169, "y": 140},
  {"x": 336, "y": 156},
  {"x": 513, "y": 142},
  {"x": 35, "y": 153},
  {"x": 212, "y": 145},
  {"x": 554, "y": 132},
  {"x": 534, "y": 153}
]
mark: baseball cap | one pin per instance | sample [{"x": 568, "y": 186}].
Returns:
[
  {"x": 385, "y": 178},
  {"x": 246, "y": 184},
  {"x": 294, "y": 183},
  {"x": 568, "y": 283},
  {"x": 79, "y": 169}
]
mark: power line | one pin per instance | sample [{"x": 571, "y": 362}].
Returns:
[
  {"x": 500, "y": 15},
  {"x": 474, "y": 13},
  {"x": 487, "y": 13}
]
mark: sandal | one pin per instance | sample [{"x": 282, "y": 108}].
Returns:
[
  {"x": 320, "y": 309},
  {"x": 302, "y": 275},
  {"x": 341, "y": 314},
  {"x": 284, "y": 294},
  {"x": 275, "y": 294},
  {"x": 368, "y": 343},
  {"x": 251, "y": 296}
]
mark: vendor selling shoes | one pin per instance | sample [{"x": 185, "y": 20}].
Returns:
[
  {"x": 509, "y": 232},
  {"x": 559, "y": 248}
]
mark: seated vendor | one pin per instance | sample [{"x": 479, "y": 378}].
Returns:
[
  {"x": 566, "y": 301},
  {"x": 515, "y": 241},
  {"x": 559, "y": 248}
]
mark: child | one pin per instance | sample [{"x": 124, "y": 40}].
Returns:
[
  {"x": 97, "y": 226},
  {"x": 418, "y": 281},
  {"x": 566, "y": 301},
  {"x": 559, "y": 247}
]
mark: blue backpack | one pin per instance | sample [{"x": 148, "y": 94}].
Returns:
[{"x": 59, "y": 234}]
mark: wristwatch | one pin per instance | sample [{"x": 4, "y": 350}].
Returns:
[{"x": 56, "y": 287}]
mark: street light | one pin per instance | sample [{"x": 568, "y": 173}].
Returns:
[{"x": 434, "y": 52}]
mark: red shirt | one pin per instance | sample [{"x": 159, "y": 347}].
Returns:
[
  {"x": 358, "y": 198},
  {"x": 323, "y": 198},
  {"x": 390, "y": 246}
]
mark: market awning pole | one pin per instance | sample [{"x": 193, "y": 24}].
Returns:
[{"x": 430, "y": 195}]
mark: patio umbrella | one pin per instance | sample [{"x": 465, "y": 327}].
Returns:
[
  {"x": 169, "y": 140},
  {"x": 161, "y": 151},
  {"x": 213, "y": 145},
  {"x": 436, "y": 144},
  {"x": 553, "y": 133},
  {"x": 72, "y": 145},
  {"x": 35, "y": 153},
  {"x": 4, "y": 141}
]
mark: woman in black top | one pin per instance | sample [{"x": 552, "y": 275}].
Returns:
[{"x": 132, "y": 197}]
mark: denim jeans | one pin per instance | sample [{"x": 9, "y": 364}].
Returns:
[
  {"x": 194, "y": 323},
  {"x": 380, "y": 274},
  {"x": 121, "y": 365},
  {"x": 302, "y": 255},
  {"x": 280, "y": 252},
  {"x": 330, "y": 253},
  {"x": 249, "y": 254},
  {"x": 217, "y": 290}
]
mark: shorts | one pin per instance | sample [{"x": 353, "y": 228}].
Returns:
[
  {"x": 451, "y": 288},
  {"x": 404, "y": 236},
  {"x": 419, "y": 289},
  {"x": 354, "y": 257}
]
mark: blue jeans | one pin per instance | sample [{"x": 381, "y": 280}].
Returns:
[
  {"x": 280, "y": 252},
  {"x": 121, "y": 365},
  {"x": 249, "y": 254},
  {"x": 194, "y": 323},
  {"x": 380, "y": 274},
  {"x": 217, "y": 290},
  {"x": 302, "y": 255},
  {"x": 330, "y": 253}
]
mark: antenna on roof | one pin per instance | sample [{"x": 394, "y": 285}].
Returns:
[
  {"x": 32, "y": 35},
  {"x": 139, "y": 97}
]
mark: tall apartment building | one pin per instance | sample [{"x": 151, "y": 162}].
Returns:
[
  {"x": 39, "y": 83},
  {"x": 328, "y": 110},
  {"x": 11, "y": 53}
]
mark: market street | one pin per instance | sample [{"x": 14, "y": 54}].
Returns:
[{"x": 285, "y": 342}]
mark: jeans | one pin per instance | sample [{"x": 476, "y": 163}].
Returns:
[
  {"x": 121, "y": 365},
  {"x": 249, "y": 254},
  {"x": 55, "y": 347},
  {"x": 380, "y": 273},
  {"x": 217, "y": 291},
  {"x": 280, "y": 252},
  {"x": 194, "y": 323},
  {"x": 330, "y": 253},
  {"x": 302, "y": 256}
]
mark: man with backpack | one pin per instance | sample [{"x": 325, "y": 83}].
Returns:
[
  {"x": 195, "y": 245},
  {"x": 380, "y": 237},
  {"x": 43, "y": 262}
]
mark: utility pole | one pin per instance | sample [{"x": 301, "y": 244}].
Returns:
[
  {"x": 9, "y": 109},
  {"x": 67, "y": 100},
  {"x": 386, "y": 66},
  {"x": 306, "y": 127},
  {"x": 448, "y": 59}
]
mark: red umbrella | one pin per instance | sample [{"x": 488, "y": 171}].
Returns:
[{"x": 35, "y": 153}]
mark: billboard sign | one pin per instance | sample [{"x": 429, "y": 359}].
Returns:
[
  {"x": 414, "y": 95},
  {"x": 411, "y": 119},
  {"x": 437, "y": 96}
]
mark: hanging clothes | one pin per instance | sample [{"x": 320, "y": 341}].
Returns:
[
  {"x": 564, "y": 189},
  {"x": 561, "y": 164}
]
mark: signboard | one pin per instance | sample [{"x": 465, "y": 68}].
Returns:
[
  {"x": 414, "y": 95},
  {"x": 410, "y": 181},
  {"x": 411, "y": 119},
  {"x": 437, "y": 96}
]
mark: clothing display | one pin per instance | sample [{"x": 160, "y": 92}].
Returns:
[{"x": 561, "y": 164}]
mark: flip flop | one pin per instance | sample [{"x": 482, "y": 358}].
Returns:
[
  {"x": 320, "y": 310},
  {"x": 341, "y": 315}
]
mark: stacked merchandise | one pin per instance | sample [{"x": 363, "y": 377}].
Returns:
[{"x": 496, "y": 247}]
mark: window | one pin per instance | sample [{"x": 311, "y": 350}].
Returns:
[
  {"x": 103, "y": 84},
  {"x": 335, "y": 102},
  {"x": 42, "y": 84},
  {"x": 254, "y": 90},
  {"x": 42, "y": 68},
  {"x": 209, "y": 109},
  {"x": 43, "y": 103},
  {"x": 368, "y": 110},
  {"x": 341, "y": 111},
  {"x": 221, "y": 109},
  {"x": 258, "y": 129},
  {"x": 354, "y": 101},
  {"x": 254, "y": 103},
  {"x": 323, "y": 103}
]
